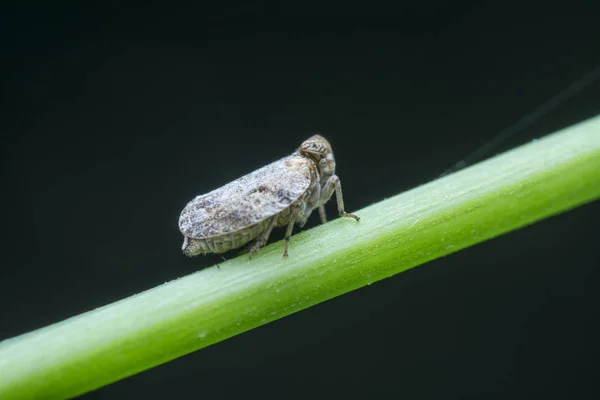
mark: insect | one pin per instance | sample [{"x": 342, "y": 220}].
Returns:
[{"x": 245, "y": 211}]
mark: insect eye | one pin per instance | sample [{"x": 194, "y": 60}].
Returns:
[
  {"x": 317, "y": 146},
  {"x": 314, "y": 148}
]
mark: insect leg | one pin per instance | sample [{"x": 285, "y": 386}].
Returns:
[
  {"x": 297, "y": 209},
  {"x": 333, "y": 183},
  {"x": 263, "y": 238},
  {"x": 322, "y": 214},
  {"x": 288, "y": 234}
]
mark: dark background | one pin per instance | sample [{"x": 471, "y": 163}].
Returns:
[{"x": 113, "y": 117}]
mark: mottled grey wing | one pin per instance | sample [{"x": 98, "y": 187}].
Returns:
[{"x": 248, "y": 200}]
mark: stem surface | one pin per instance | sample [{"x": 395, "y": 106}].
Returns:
[{"x": 514, "y": 189}]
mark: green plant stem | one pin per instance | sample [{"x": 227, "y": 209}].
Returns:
[{"x": 517, "y": 188}]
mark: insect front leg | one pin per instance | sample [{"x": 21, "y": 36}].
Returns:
[
  {"x": 333, "y": 184},
  {"x": 263, "y": 238}
]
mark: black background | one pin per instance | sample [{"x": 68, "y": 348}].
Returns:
[{"x": 113, "y": 117}]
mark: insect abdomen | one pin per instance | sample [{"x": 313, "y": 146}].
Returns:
[{"x": 222, "y": 243}]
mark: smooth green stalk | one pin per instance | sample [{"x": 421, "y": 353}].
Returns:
[{"x": 512, "y": 190}]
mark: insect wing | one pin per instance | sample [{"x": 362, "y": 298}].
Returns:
[{"x": 249, "y": 199}]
